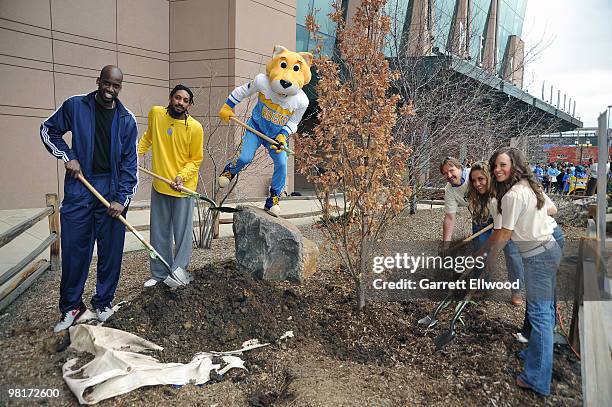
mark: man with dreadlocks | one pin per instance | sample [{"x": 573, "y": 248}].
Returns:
[{"x": 177, "y": 141}]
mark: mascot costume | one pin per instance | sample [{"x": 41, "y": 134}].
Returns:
[{"x": 281, "y": 103}]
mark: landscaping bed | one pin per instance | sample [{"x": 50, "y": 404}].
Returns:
[{"x": 338, "y": 356}]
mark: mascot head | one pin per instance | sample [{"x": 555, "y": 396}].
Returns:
[{"x": 288, "y": 71}]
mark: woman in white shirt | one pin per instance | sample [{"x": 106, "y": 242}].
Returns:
[{"x": 521, "y": 216}]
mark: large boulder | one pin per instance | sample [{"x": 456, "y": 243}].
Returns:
[{"x": 272, "y": 248}]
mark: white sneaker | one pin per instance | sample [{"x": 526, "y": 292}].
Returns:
[
  {"x": 105, "y": 314},
  {"x": 68, "y": 319},
  {"x": 150, "y": 282},
  {"x": 520, "y": 338}
]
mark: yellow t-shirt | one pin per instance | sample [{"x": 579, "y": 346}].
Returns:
[{"x": 177, "y": 149}]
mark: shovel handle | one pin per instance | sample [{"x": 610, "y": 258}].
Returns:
[
  {"x": 182, "y": 188},
  {"x": 470, "y": 238},
  {"x": 260, "y": 134},
  {"x": 167, "y": 181},
  {"x": 121, "y": 218}
]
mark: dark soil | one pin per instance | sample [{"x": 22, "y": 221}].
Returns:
[
  {"x": 218, "y": 311},
  {"x": 223, "y": 308},
  {"x": 339, "y": 357}
]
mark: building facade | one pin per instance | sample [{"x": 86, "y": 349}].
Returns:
[{"x": 52, "y": 49}]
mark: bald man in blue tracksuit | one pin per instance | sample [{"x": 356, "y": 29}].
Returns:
[{"x": 104, "y": 136}]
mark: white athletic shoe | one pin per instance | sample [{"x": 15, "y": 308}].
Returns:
[
  {"x": 150, "y": 282},
  {"x": 520, "y": 338},
  {"x": 105, "y": 314},
  {"x": 275, "y": 210},
  {"x": 68, "y": 319}
]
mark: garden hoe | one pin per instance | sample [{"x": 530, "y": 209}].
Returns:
[
  {"x": 444, "y": 338},
  {"x": 189, "y": 192},
  {"x": 177, "y": 277},
  {"x": 430, "y": 320}
]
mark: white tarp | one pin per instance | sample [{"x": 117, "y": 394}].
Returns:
[{"x": 119, "y": 368}]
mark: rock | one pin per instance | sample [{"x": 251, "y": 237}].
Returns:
[
  {"x": 58, "y": 342},
  {"x": 272, "y": 248}
]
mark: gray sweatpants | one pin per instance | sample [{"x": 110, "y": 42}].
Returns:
[{"x": 171, "y": 216}]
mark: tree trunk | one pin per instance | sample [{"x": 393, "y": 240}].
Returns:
[
  {"x": 361, "y": 296},
  {"x": 209, "y": 228},
  {"x": 413, "y": 203}
]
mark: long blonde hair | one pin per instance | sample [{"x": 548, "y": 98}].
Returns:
[{"x": 479, "y": 204}]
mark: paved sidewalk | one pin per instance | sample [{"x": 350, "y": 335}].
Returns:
[{"x": 16, "y": 250}]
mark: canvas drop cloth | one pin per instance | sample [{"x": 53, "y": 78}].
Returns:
[{"x": 120, "y": 366}]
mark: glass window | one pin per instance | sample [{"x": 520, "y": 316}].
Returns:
[
  {"x": 303, "y": 7},
  {"x": 502, "y": 13},
  {"x": 302, "y": 38},
  {"x": 521, "y": 5},
  {"x": 327, "y": 28},
  {"x": 322, "y": 9},
  {"x": 443, "y": 22},
  {"x": 396, "y": 10},
  {"x": 482, "y": 4},
  {"x": 517, "y": 27},
  {"x": 445, "y": 6},
  {"x": 479, "y": 19}
]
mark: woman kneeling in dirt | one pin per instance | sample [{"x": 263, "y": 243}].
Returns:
[{"x": 521, "y": 216}]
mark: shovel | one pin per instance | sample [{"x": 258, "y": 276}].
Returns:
[
  {"x": 444, "y": 338},
  {"x": 430, "y": 320},
  {"x": 261, "y": 135},
  {"x": 189, "y": 192},
  {"x": 177, "y": 277}
]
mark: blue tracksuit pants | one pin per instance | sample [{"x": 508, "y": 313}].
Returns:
[
  {"x": 84, "y": 220},
  {"x": 250, "y": 144}
]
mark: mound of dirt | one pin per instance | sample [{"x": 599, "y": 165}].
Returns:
[
  {"x": 222, "y": 308},
  {"x": 218, "y": 311}
]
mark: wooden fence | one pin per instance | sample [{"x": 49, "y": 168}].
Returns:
[
  {"x": 588, "y": 328},
  {"x": 18, "y": 278}
]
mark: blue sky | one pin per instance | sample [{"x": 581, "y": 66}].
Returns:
[{"x": 575, "y": 52}]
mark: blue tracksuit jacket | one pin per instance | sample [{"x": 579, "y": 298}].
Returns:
[{"x": 77, "y": 114}]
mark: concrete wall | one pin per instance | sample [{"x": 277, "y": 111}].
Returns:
[{"x": 52, "y": 49}]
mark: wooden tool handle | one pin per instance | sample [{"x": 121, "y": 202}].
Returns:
[
  {"x": 260, "y": 134},
  {"x": 120, "y": 217},
  {"x": 166, "y": 180},
  {"x": 470, "y": 238}
]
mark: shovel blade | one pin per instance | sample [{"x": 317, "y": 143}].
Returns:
[
  {"x": 226, "y": 209},
  {"x": 177, "y": 278},
  {"x": 172, "y": 283},
  {"x": 429, "y": 321},
  {"x": 425, "y": 320},
  {"x": 444, "y": 339},
  {"x": 182, "y": 276}
]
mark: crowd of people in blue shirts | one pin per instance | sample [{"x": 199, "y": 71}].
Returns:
[{"x": 557, "y": 178}]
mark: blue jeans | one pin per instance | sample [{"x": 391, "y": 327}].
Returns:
[
  {"x": 480, "y": 240},
  {"x": 558, "y": 235},
  {"x": 540, "y": 277},
  {"x": 514, "y": 265},
  {"x": 514, "y": 261}
]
